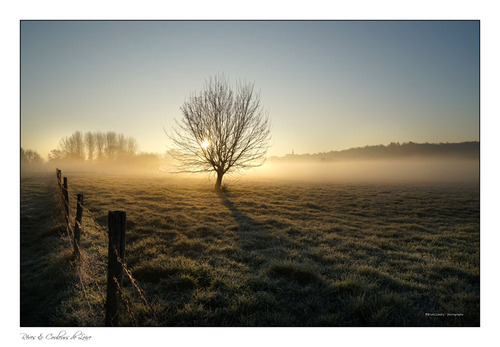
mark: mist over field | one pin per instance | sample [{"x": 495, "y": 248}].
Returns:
[
  {"x": 376, "y": 171},
  {"x": 394, "y": 163},
  {"x": 435, "y": 170}
]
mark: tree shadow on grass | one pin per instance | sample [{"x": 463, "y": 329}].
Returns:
[
  {"x": 263, "y": 241},
  {"x": 292, "y": 287}
]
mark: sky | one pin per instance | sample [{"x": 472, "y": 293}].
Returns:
[{"x": 327, "y": 85}]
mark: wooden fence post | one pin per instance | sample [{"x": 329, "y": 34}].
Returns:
[
  {"x": 58, "y": 175},
  {"x": 78, "y": 223},
  {"x": 66, "y": 203},
  {"x": 116, "y": 225},
  {"x": 61, "y": 184}
]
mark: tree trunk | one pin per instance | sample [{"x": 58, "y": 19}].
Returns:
[{"x": 218, "y": 183}]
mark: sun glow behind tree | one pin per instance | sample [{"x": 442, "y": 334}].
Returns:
[{"x": 205, "y": 144}]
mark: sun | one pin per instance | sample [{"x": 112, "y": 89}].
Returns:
[{"x": 205, "y": 144}]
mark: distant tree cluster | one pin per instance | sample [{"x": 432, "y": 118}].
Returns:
[
  {"x": 94, "y": 146},
  {"x": 30, "y": 158},
  {"x": 96, "y": 152}
]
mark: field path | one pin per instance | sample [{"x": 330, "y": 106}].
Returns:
[{"x": 44, "y": 267}]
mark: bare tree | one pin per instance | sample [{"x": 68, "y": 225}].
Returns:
[
  {"x": 111, "y": 145},
  {"x": 73, "y": 147},
  {"x": 79, "y": 145},
  {"x": 65, "y": 147},
  {"x": 100, "y": 143},
  {"x": 132, "y": 146},
  {"x": 221, "y": 130},
  {"x": 90, "y": 145},
  {"x": 55, "y": 155},
  {"x": 122, "y": 146}
]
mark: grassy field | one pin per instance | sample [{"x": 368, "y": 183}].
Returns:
[{"x": 263, "y": 253}]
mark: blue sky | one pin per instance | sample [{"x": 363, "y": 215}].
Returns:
[{"x": 328, "y": 85}]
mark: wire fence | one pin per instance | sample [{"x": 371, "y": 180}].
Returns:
[{"x": 91, "y": 263}]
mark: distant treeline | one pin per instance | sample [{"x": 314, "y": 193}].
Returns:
[
  {"x": 94, "y": 150},
  {"x": 91, "y": 146},
  {"x": 395, "y": 150}
]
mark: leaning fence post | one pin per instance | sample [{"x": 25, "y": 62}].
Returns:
[
  {"x": 78, "y": 223},
  {"x": 116, "y": 225},
  {"x": 66, "y": 202}
]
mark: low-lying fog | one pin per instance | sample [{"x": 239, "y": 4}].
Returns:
[
  {"x": 386, "y": 171},
  {"x": 368, "y": 171}
]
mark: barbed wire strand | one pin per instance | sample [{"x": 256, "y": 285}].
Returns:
[
  {"x": 84, "y": 291},
  {"x": 85, "y": 260},
  {"x": 62, "y": 203},
  {"x": 127, "y": 303},
  {"x": 96, "y": 224},
  {"x": 136, "y": 285}
]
